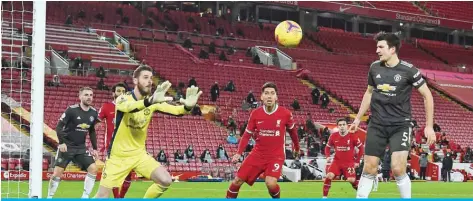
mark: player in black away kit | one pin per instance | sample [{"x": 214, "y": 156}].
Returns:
[
  {"x": 390, "y": 83},
  {"x": 72, "y": 128}
]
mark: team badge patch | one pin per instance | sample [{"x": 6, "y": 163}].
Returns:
[{"x": 397, "y": 78}]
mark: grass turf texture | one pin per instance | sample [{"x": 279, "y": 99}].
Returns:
[{"x": 73, "y": 189}]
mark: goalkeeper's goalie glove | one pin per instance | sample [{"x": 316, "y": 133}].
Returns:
[
  {"x": 192, "y": 96},
  {"x": 159, "y": 94}
]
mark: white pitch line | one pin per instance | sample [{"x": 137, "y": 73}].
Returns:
[{"x": 312, "y": 192}]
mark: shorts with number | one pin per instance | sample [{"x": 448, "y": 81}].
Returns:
[
  {"x": 117, "y": 168},
  {"x": 253, "y": 166},
  {"x": 348, "y": 170},
  {"x": 398, "y": 137},
  {"x": 80, "y": 157}
]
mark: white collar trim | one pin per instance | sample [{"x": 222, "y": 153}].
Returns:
[{"x": 275, "y": 109}]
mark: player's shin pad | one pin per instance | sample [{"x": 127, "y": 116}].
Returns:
[{"x": 155, "y": 191}]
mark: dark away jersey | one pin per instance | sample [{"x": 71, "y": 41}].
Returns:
[
  {"x": 391, "y": 99},
  {"x": 73, "y": 126}
]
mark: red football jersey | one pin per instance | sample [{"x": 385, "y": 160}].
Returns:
[
  {"x": 269, "y": 132},
  {"x": 344, "y": 147},
  {"x": 107, "y": 112}
]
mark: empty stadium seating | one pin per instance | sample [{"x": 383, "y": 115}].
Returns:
[
  {"x": 404, "y": 6},
  {"x": 454, "y": 54},
  {"x": 462, "y": 10}
]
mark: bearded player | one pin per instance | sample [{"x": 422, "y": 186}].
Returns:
[
  {"x": 344, "y": 161},
  {"x": 107, "y": 113},
  {"x": 267, "y": 125},
  {"x": 127, "y": 150}
]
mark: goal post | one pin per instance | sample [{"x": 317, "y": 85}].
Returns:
[{"x": 37, "y": 99}]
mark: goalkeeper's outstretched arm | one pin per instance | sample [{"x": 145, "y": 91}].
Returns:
[
  {"x": 170, "y": 109},
  {"x": 131, "y": 106}
]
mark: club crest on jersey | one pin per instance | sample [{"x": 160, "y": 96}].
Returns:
[
  {"x": 397, "y": 78},
  {"x": 91, "y": 118},
  {"x": 147, "y": 111},
  {"x": 277, "y": 133},
  {"x": 278, "y": 123}
]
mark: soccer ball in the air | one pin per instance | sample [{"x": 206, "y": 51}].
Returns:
[{"x": 288, "y": 33}]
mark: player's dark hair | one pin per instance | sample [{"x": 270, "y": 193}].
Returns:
[
  {"x": 342, "y": 119},
  {"x": 391, "y": 39},
  {"x": 269, "y": 85},
  {"x": 138, "y": 70},
  {"x": 84, "y": 89},
  {"x": 120, "y": 84}
]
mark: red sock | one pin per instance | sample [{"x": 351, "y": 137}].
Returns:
[
  {"x": 232, "y": 191},
  {"x": 355, "y": 184},
  {"x": 116, "y": 192},
  {"x": 327, "y": 184},
  {"x": 275, "y": 192},
  {"x": 125, "y": 186}
]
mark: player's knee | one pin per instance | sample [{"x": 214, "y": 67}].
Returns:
[
  {"x": 330, "y": 175},
  {"x": 58, "y": 171},
  {"x": 102, "y": 192},
  {"x": 370, "y": 169},
  {"x": 398, "y": 171},
  {"x": 351, "y": 179},
  {"x": 166, "y": 181},
  {"x": 237, "y": 181},
  {"x": 92, "y": 169},
  {"x": 271, "y": 182}
]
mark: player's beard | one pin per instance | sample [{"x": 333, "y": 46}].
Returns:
[
  {"x": 144, "y": 91},
  {"x": 85, "y": 103}
]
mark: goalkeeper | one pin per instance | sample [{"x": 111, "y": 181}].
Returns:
[{"x": 127, "y": 150}]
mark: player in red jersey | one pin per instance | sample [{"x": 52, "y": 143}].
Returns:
[
  {"x": 107, "y": 113},
  {"x": 268, "y": 126},
  {"x": 344, "y": 161}
]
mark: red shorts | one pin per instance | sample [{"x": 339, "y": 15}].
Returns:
[
  {"x": 253, "y": 166},
  {"x": 348, "y": 170}
]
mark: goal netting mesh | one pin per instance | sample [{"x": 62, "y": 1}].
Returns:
[{"x": 22, "y": 95}]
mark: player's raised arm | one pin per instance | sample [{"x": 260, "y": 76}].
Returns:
[
  {"x": 131, "y": 106},
  {"x": 192, "y": 96},
  {"x": 419, "y": 83}
]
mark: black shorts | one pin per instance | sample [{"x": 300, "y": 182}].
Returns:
[
  {"x": 398, "y": 138},
  {"x": 386, "y": 173},
  {"x": 80, "y": 157}
]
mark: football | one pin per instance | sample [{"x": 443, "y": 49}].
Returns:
[{"x": 288, "y": 33}]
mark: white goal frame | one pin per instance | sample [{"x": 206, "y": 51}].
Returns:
[{"x": 37, "y": 100}]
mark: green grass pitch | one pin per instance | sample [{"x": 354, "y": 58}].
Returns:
[{"x": 73, "y": 189}]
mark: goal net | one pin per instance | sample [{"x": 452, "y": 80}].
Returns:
[{"x": 22, "y": 91}]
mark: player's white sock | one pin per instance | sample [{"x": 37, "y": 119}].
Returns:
[
  {"x": 375, "y": 187},
  {"x": 89, "y": 183},
  {"x": 53, "y": 184},
  {"x": 404, "y": 185},
  {"x": 365, "y": 185}
]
